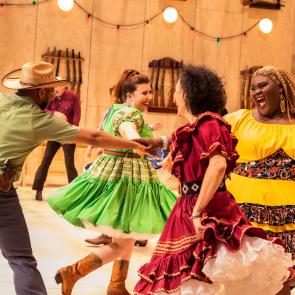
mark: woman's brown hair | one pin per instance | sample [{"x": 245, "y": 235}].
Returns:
[{"x": 127, "y": 83}]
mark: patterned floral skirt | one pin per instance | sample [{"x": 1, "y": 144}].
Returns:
[
  {"x": 234, "y": 256},
  {"x": 118, "y": 196}
]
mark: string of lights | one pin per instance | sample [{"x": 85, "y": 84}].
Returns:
[
  {"x": 218, "y": 38},
  {"x": 116, "y": 25},
  {"x": 34, "y": 2},
  {"x": 170, "y": 15}
]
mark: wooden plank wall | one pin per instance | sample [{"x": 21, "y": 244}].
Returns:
[{"x": 27, "y": 32}]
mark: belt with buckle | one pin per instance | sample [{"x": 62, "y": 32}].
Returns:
[{"x": 194, "y": 187}]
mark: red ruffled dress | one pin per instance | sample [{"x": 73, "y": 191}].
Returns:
[{"x": 234, "y": 256}]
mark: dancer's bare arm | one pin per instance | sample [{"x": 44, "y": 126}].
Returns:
[
  {"x": 105, "y": 140},
  {"x": 152, "y": 144},
  {"x": 212, "y": 179}
]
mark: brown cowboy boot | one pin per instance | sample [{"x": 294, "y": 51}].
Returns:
[
  {"x": 100, "y": 240},
  {"x": 69, "y": 275},
  {"x": 119, "y": 275}
]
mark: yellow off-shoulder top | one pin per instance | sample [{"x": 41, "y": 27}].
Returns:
[{"x": 256, "y": 141}]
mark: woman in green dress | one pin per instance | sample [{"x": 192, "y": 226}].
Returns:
[{"x": 120, "y": 195}]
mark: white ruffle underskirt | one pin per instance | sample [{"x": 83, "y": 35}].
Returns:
[
  {"x": 116, "y": 233},
  {"x": 258, "y": 268}
]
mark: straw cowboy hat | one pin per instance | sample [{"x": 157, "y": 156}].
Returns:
[{"x": 32, "y": 75}]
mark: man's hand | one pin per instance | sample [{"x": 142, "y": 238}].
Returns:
[
  {"x": 140, "y": 149},
  {"x": 151, "y": 144}
]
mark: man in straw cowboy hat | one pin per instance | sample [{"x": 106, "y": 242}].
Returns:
[{"x": 23, "y": 127}]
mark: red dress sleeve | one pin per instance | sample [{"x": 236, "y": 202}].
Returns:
[
  {"x": 193, "y": 145},
  {"x": 214, "y": 137}
]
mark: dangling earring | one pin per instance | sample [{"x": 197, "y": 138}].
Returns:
[
  {"x": 282, "y": 103},
  {"x": 128, "y": 102}
]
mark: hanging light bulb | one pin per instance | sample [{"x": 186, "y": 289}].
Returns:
[
  {"x": 265, "y": 25},
  {"x": 65, "y": 5},
  {"x": 170, "y": 15}
]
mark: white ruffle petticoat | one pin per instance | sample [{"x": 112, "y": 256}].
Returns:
[{"x": 260, "y": 267}]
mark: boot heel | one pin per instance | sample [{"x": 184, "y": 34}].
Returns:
[{"x": 58, "y": 278}]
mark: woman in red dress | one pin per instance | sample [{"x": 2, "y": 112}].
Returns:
[{"x": 207, "y": 244}]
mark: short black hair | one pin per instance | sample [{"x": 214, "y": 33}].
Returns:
[{"x": 203, "y": 89}]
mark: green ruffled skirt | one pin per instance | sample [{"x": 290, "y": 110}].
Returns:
[{"x": 118, "y": 196}]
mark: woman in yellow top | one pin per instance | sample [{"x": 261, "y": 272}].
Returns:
[{"x": 263, "y": 181}]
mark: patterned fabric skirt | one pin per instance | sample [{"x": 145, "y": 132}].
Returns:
[
  {"x": 264, "y": 189},
  {"x": 234, "y": 256},
  {"x": 118, "y": 196}
]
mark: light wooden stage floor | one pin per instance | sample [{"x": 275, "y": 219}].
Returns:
[{"x": 56, "y": 243}]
